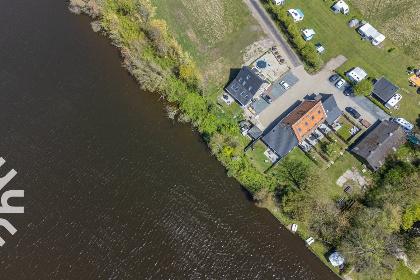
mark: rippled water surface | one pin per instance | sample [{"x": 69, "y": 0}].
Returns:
[{"x": 114, "y": 190}]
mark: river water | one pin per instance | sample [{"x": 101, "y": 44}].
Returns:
[{"x": 113, "y": 189}]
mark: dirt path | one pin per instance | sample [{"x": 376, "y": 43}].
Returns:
[{"x": 271, "y": 29}]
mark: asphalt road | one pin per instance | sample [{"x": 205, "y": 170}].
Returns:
[{"x": 267, "y": 23}]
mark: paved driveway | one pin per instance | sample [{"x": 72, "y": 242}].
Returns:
[{"x": 277, "y": 90}]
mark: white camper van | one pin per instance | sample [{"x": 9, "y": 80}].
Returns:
[{"x": 406, "y": 126}]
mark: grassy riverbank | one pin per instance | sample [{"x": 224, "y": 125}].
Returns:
[{"x": 294, "y": 190}]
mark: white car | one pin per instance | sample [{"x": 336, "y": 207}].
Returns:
[
  {"x": 340, "y": 83},
  {"x": 284, "y": 85}
]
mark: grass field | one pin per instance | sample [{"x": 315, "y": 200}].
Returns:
[
  {"x": 344, "y": 131},
  {"x": 258, "y": 157},
  {"x": 338, "y": 38},
  {"x": 399, "y": 20},
  {"x": 214, "y": 32}
]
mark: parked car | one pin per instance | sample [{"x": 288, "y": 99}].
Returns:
[
  {"x": 310, "y": 240},
  {"x": 267, "y": 98},
  {"x": 284, "y": 85},
  {"x": 348, "y": 91},
  {"x": 333, "y": 78},
  {"x": 340, "y": 83},
  {"x": 353, "y": 112}
]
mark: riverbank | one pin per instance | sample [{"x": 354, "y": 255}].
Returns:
[{"x": 159, "y": 64}]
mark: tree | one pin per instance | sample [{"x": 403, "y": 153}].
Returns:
[
  {"x": 370, "y": 247},
  {"x": 265, "y": 199},
  {"x": 145, "y": 10},
  {"x": 363, "y": 88},
  {"x": 157, "y": 32},
  {"x": 411, "y": 215},
  {"x": 295, "y": 172}
]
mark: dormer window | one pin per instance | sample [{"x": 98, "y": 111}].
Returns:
[
  {"x": 247, "y": 77},
  {"x": 246, "y": 96},
  {"x": 244, "y": 83},
  {"x": 233, "y": 86},
  {"x": 242, "y": 93},
  {"x": 249, "y": 88},
  {"x": 240, "y": 80}
]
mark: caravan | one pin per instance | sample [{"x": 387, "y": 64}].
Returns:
[
  {"x": 340, "y": 6},
  {"x": 405, "y": 125}
]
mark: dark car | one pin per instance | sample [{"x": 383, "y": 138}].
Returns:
[
  {"x": 267, "y": 98},
  {"x": 349, "y": 91},
  {"x": 353, "y": 112},
  {"x": 333, "y": 78}
]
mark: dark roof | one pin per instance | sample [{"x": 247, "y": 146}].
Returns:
[
  {"x": 330, "y": 107},
  {"x": 254, "y": 132},
  {"x": 380, "y": 143},
  {"x": 245, "y": 85},
  {"x": 281, "y": 139},
  {"x": 383, "y": 90}
]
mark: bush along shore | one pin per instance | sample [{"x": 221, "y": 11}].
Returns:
[{"x": 381, "y": 222}]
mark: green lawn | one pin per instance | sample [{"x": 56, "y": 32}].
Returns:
[
  {"x": 344, "y": 131},
  {"x": 214, "y": 32},
  {"x": 258, "y": 158},
  {"x": 338, "y": 38},
  {"x": 404, "y": 273}
]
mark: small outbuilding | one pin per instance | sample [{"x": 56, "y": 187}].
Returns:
[
  {"x": 340, "y": 7},
  {"x": 386, "y": 92},
  {"x": 356, "y": 75},
  {"x": 297, "y": 14},
  {"x": 307, "y": 34}
]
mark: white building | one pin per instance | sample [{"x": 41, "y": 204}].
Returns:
[
  {"x": 297, "y": 14},
  {"x": 340, "y": 6},
  {"x": 356, "y": 75},
  {"x": 368, "y": 32}
]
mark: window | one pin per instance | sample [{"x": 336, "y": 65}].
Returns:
[
  {"x": 242, "y": 93},
  {"x": 249, "y": 88},
  {"x": 247, "y": 77},
  {"x": 233, "y": 86},
  {"x": 319, "y": 111},
  {"x": 240, "y": 80},
  {"x": 244, "y": 83},
  {"x": 306, "y": 123},
  {"x": 300, "y": 129},
  {"x": 236, "y": 89},
  {"x": 313, "y": 117},
  {"x": 246, "y": 96}
]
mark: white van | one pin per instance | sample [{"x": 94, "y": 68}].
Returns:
[{"x": 403, "y": 123}]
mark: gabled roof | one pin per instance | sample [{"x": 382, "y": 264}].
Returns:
[
  {"x": 384, "y": 90},
  {"x": 380, "y": 143},
  {"x": 305, "y": 118},
  {"x": 246, "y": 84},
  {"x": 330, "y": 107},
  {"x": 281, "y": 139}
]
